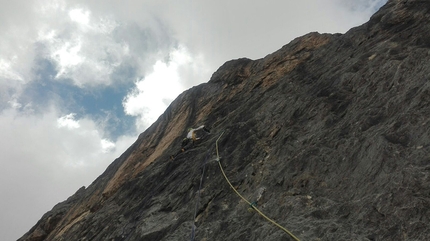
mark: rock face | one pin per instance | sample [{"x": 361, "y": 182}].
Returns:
[{"x": 330, "y": 134}]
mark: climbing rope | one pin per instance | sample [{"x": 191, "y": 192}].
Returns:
[
  {"x": 193, "y": 230},
  {"x": 252, "y": 205}
]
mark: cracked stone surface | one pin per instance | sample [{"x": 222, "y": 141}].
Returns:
[{"x": 329, "y": 135}]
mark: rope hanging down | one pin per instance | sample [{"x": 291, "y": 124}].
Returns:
[
  {"x": 193, "y": 229},
  {"x": 244, "y": 199}
]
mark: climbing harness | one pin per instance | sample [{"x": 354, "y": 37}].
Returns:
[
  {"x": 193, "y": 230},
  {"x": 252, "y": 205}
]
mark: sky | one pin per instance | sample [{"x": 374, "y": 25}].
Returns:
[{"x": 80, "y": 79}]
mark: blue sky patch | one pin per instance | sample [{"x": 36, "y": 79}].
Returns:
[{"x": 103, "y": 104}]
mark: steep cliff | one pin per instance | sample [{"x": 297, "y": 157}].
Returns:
[{"x": 328, "y": 135}]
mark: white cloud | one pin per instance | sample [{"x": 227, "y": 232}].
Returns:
[
  {"x": 14, "y": 104},
  {"x": 10, "y": 81},
  {"x": 68, "y": 121},
  {"x": 156, "y": 91},
  {"x": 45, "y": 159},
  {"x": 67, "y": 57},
  {"x": 6, "y": 71},
  {"x": 223, "y": 30},
  {"x": 80, "y": 16},
  {"x": 107, "y": 145},
  {"x": 84, "y": 47},
  {"x": 82, "y": 40},
  {"x": 361, "y": 9}
]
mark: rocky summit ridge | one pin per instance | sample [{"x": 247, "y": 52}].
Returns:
[{"x": 329, "y": 136}]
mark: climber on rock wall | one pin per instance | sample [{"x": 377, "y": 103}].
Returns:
[
  {"x": 192, "y": 132},
  {"x": 193, "y": 135}
]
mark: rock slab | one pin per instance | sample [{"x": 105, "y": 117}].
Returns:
[{"x": 328, "y": 135}]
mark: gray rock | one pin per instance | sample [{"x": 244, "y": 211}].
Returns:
[{"x": 330, "y": 133}]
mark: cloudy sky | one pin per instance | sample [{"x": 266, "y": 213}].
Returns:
[{"x": 80, "y": 79}]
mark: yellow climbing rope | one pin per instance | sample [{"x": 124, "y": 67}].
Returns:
[{"x": 244, "y": 199}]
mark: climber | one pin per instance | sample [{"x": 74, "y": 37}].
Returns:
[
  {"x": 191, "y": 136},
  {"x": 192, "y": 132},
  {"x": 188, "y": 142}
]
